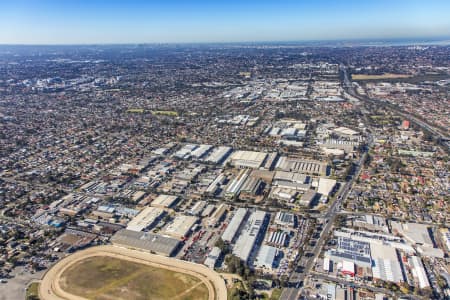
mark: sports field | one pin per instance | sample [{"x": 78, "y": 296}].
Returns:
[{"x": 105, "y": 277}]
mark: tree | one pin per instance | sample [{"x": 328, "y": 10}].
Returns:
[
  {"x": 427, "y": 293},
  {"x": 221, "y": 245},
  {"x": 441, "y": 282},
  {"x": 284, "y": 281},
  {"x": 405, "y": 288},
  {"x": 234, "y": 264},
  {"x": 238, "y": 294}
]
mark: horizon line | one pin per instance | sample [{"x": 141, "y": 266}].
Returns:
[{"x": 427, "y": 39}]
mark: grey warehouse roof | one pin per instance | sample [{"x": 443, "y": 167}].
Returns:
[{"x": 146, "y": 241}]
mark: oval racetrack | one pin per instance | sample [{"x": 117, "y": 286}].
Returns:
[{"x": 50, "y": 287}]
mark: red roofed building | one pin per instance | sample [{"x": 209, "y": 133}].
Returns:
[{"x": 405, "y": 125}]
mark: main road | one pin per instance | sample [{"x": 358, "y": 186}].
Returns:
[{"x": 296, "y": 279}]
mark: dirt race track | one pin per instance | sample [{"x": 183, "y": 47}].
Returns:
[{"x": 50, "y": 287}]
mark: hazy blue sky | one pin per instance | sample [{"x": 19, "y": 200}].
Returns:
[{"x": 132, "y": 21}]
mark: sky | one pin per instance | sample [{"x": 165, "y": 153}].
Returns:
[{"x": 186, "y": 21}]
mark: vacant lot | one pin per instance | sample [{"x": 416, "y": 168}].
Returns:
[
  {"x": 377, "y": 77},
  {"x": 108, "y": 278}
]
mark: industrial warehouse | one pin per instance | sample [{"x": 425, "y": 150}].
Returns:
[
  {"x": 180, "y": 226},
  {"x": 250, "y": 236},
  {"x": 146, "y": 241},
  {"x": 148, "y": 217}
]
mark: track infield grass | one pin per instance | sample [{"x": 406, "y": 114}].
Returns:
[{"x": 108, "y": 278}]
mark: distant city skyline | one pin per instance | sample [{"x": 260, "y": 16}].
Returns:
[{"x": 105, "y": 22}]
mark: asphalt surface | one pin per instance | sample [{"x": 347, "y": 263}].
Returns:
[{"x": 15, "y": 288}]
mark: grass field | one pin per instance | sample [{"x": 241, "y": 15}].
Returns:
[
  {"x": 276, "y": 294},
  {"x": 107, "y": 278},
  {"x": 170, "y": 113},
  {"x": 378, "y": 77},
  {"x": 32, "y": 291},
  {"x": 135, "y": 110}
]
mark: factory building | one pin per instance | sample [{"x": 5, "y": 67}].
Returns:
[
  {"x": 327, "y": 264},
  {"x": 346, "y": 146},
  {"x": 348, "y": 268},
  {"x": 371, "y": 222},
  {"x": 251, "y": 189},
  {"x": 218, "y": 155},
  {"x": 137, "y": 196},
  {"x": 146, "y": 219},
  {"x": 165, "y": 201},
  {"x": 445, "y": 235},
  {"x": 375, "y": 238},
  {"x": 283, "y": 194},
  {"x": 345, "y": 132},
  {"x": 357, "y": 252},
  {"x": 201, "y": 151},
  {"x": 333, "y": 152},
  {"x": 325, "y": 187},
  {"x": 185, "y": 152},
  {"x": 180, "y": 226},
  {"x": 214, "y": 186},
  {"x": 291, "y": 180},
  {"x": 418, "y": 272},
  {"x": 418, "y": 235},
  {"x": 251, "y": 236},
  {"x": 291, "y": 185},
  {"x": 213, "y": 256},
  {"x": 218, "y": 215},
  {"x": 296, "y": 165},
  {"x": 146, "y": 241},
  {"x": 291, "y": 177},
  {"x": 234, "y": 188},
  {"x": 308, "y": 198},
  {"x": 331, "y": 292},
  {"x": 270, "y": 162},
  {"x": 385, "y": 264},
  {"x": 285, "y": 219},
  {"x": 277, "y": 238},
  {"x": 265, "y": 258},
  {"x": 235, "y": 224},
  {"x": 247, "y": 159},
  {"x": 208, "y": 210},
  {"x": 197, "y": 209}
]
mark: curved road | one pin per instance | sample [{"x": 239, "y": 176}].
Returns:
[{"x": 50, "y": 288}]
